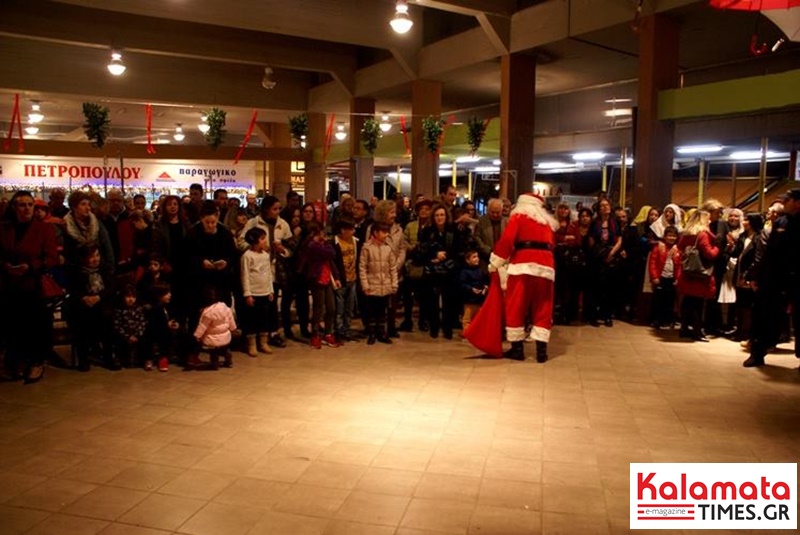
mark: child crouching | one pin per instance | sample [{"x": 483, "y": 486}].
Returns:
[{"x": 213, "y": 331}]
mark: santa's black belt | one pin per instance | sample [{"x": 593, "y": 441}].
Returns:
[{"x": 532, "y": 245}]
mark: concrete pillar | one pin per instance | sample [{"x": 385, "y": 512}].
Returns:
[
  {"x": 280, "y": 172},
  {"x": 517, "y": 97},
  {"x": 362, "y": 164},
  {"x": 316, "y": 177},
  {"x": 426, "y": 100},
  {"x": 658, "y": 70}
]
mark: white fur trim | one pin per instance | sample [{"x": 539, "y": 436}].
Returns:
[
  {"x": 496, "y": 261},
  {"x": 515, "y": 334},
  {"x": 533, "y": 269},
  {"x": 539, "y": 334},
  {"x": 532, "y": 207}
]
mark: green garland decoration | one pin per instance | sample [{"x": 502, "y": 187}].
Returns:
[
  {"x": 298, "y": 127},
  {"x": 370, "y": 133},
  {"x": 97, "y": 125},
  {"x": 476, "y": 129},
  {"x": 216, "y": 127},
  {"x": 432, "y": 130}
]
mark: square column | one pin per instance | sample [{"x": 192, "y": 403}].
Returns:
[
  {"x": 517, "y": 100},
  {"x": 362, "y": 166},
  {"x": 316, "y": 183},
  {"x": 426, "y": 100},
  {"x": 658, "y": 70},
  {"x": 280, "y": 172}
]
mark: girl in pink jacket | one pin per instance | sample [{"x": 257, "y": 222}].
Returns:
[{"x": 214, "y": 329}]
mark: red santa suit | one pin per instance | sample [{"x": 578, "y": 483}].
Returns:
[{"x": 526, "y": 246}]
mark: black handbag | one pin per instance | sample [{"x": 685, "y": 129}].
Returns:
[{"x": 692, "y": 262}]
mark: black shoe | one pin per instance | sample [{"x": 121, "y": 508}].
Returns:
[
  {"x": 406, "y": 327},
  {"x": 609, "y": 323},
  {"x": 753, "y": 362},
  {"x": 541, "y": 352},
  {"x": 434, "y": 334},
  {"x": 276, "y": 340},
  {"x": 289, "y": 335},
  {"x": 729, "y": 332},
  {"x": 305, "y": 333},
  {"x": 700, "y": 336},
  {"x": 384, "y": 339},
  {"x": 423, "y": 326},
  {"x": 594, "y": 323},
  {"x": 114, "y": 364},
  {"x": 393, "y": 333},
  {"x": 371, "y": 340},
  {"x": 448, "y": 335},
  {"x": 517, "y": 351},
  {"x": 684, "y": 333}
]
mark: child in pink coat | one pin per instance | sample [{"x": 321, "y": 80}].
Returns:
[{"x": 214, "y": 329}]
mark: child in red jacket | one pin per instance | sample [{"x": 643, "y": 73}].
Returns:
[{"x": 665, "y": 267}]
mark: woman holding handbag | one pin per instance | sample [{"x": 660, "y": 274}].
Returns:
[
  {"x": 696, "y": 282},
  {"x": 28, "y": 249}
]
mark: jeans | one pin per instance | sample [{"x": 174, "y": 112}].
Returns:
[
  {"x": 324, "y": 308},
  {"x": 345, "y": 304}
]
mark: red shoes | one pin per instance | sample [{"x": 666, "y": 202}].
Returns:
[
  {"x": 163, "y": 364},
  {"x": 330, "y": 341},
  {"x": 316, "y": 342}
]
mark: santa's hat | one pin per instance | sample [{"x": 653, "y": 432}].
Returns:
[{"x": 530, "y": 198}]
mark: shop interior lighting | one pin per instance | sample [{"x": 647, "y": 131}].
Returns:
[
  {"x": 752, "y": 155},
  {"x": 115, "y": 66},
  {"x": 36, "y": 115},
  {"x": 468, "y": 159},
  {"x": 203, "y": 126},
  {"x": 497, "y": 162},
  {"x": 32, "y": 130},
  {"x": 554, "y": 165},
  {"x": 385, "y": 125},
  {"x": 401, "y": 22},
  {"x": 699, "y": 149},
  {"x": 588, "y": 156},
  {"x": 487, "y": 169},
  {"x": 620, "y": 112},
  {"x": 178, "y": 135},
  {"x": 618, "y": 100},
  {"x": 340, "y": 134}
]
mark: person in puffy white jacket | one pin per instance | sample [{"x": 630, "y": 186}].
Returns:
[{"x": 214, "y": 330}]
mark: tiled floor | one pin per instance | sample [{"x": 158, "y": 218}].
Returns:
[{"x": 418, "y": 438}]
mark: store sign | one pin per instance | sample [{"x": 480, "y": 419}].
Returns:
[{"x": 143, "y": 173}]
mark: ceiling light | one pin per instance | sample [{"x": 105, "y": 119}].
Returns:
[
  {"x": 385, "y": 124},
  {"x": 554, "y": 165},
  {"x": 496, "y": 162},
  {"x": 588, "y": 156},
  {"x": 778, "y": 44},
  {"x": 178, "y": 135},
  {"x": 618, "y": 100},
  {"x": 203, "y": 126},
  {"x": 340, "y": 134},
  {"x": 32, "y": 130},
  {"x": 116, "y": 67},
  {"x": 401, "y": 23},
  {"x": 267, "y": 82},
  {"x": 699, "y": 149},
  {"x": 618, "y": 112},
  {"x": 36, "y": 115},
  {"x": 751, "y": 155},
  {"x": 468, "y": 159},
  {"x": 487, "y": 169}
]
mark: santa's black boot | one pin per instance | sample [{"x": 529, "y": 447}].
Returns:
[
  {"x": 541, "y": 351},
  {"x": 517, "y": 351}
]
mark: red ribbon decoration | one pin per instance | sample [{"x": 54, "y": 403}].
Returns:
[
  {"x": 246, "y": 137},
  {"x": 328, "y": 137},
  {"x": 15, "y": 119},
  {"x": 405, "y": 134},
  {"x": 148, "y": 113}
]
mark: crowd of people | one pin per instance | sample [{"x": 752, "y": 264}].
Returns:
[{"x": 161, "y": 285}]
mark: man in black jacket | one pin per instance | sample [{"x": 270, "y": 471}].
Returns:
[{"x": 778, "y": 282}]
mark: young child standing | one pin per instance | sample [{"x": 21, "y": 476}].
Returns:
[
  {"x": 665, "y": 269},
  {"x": 162, "y": 327},
  {"x": 323, "y": 278},
  {"x": 378, "y": 276},
  {"x": 346, "y": 245},
  {"x": 474, "y": 284},
  {"x": 129, "y": 327},
  {"x": 214, "y": 329},
  {"x": 257, "y": 290}
]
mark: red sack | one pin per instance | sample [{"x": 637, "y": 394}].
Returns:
[{"x": 485, "y": 331}]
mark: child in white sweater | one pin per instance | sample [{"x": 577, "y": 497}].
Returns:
[{"x": 257, "y": 291}]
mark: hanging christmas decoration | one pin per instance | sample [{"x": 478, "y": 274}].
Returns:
[
  {"x": 298, "y": 127},
  {"x": 216, "y": 127},
  {"x": 15, "y": 120},
  {"x": 97, "y": 125},
  {"x": 432, "y": 132},
  {"x": 476, "y": 130},
  {"x": 247, "y": 135},
  {"x": 370, "y": 133}
]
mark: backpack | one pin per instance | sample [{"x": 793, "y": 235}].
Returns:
[{"x": 692, "y": 262}]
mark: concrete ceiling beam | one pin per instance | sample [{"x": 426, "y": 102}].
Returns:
[{"x": 471, "y": 7}]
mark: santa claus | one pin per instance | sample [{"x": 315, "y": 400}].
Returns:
[{"x": 525, "y": 250}]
